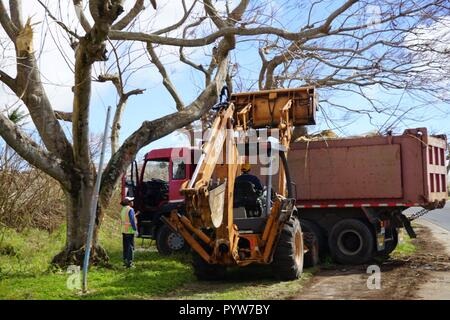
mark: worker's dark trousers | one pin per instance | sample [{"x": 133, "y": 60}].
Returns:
[{"x": 128, "y": 248}]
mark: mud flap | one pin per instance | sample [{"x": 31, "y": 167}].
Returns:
[
  {"x": 376, "y": 222},
  {"x": 408, "y": 227}
]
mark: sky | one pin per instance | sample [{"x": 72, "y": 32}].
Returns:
[{"x": 56, "y": 63}]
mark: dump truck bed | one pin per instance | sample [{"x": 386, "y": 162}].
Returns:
[{"x": 387, "y": 171}]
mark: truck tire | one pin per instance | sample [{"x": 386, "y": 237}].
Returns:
[
  {"x": 389, "y": 245},
  {"x": 351, "y": 242},
  {"x": 168, "y": 242},
  {"x": 287, "y": 261},
  {"x": 205, "y": 271},
  {"x": 311, "y": 257},
  {"x": 319, "y": 233}
]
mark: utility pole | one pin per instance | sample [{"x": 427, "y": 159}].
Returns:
[{"x": 94, "y": 204}]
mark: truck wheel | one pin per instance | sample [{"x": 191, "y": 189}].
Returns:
[
  {"x": 389, "y": 245},
  {"x": 168, "y": 242},
  {"x": 311, "y": 237},
  {"x": 311, "y": 226},
  {"x": 351, "y": 242},
  {"x": 287, "y": 261}
]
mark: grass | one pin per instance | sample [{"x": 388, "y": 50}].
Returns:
[
  {"x": 405, "y": 246},
  {"x": 25, "y": 274}
]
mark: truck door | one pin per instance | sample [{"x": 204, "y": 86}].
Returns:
[
  {"x": 130, "y": 183},
  {"x": 179, "y": 173}
]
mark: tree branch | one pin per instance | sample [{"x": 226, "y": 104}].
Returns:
[
  {"x": 123, "y": 99},
  {"x": 9, "y": 81},
  {"x": 30, "y": 151},
  {"x": 15, "y": 7},
  {"x": 6, "y": 23},
  {"x": 130, "y": 16},
  {"x": 166, "y": 80},
  {"x": 78, "y": 5},
  {"x": 181, "y": 21},
  {"x": 60, "y": 23},
  {"x": 64, "y": 116}
]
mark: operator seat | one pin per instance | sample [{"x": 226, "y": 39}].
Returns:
[{"x": 246, "y": 195}]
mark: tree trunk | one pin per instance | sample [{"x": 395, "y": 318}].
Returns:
[{"x": 78, "y": 206}]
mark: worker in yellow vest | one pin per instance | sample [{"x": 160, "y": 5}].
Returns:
[{"x": 129, "y": 229}]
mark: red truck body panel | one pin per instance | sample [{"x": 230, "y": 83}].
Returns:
[{"x": 405, "y": 170}]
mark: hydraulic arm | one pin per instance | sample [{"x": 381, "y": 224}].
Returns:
[{"x": 210, "y": 226}]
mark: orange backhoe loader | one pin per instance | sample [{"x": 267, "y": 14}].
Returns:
[{"x": 227, "y": 223}]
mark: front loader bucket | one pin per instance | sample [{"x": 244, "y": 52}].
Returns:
[
  {"x": 216, "y": 204},
  {"x": 266, "y": 106}
]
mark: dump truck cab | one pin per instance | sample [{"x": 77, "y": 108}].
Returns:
[{"x": 156, "y": 189}]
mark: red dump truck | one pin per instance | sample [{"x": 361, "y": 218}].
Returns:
[{"x": 351, "y": 192}]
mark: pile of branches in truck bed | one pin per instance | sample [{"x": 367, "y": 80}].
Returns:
[{"x": 330, "y": 134}]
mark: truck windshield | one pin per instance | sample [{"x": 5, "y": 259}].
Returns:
[{"x": 156, "y": 169}]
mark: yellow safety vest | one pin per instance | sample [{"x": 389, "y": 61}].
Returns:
[{"x": 126, "y": 223}]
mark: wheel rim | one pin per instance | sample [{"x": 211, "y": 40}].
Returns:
[
  {"x": 175, "y": 241},
  {"x": 298, "y": 248},
  {"x": 350, "y": 242}
]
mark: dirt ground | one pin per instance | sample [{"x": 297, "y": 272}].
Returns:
[{"x": 424, "y": 275}]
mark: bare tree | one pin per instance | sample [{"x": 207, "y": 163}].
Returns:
[{"x": 330, "y": 44}]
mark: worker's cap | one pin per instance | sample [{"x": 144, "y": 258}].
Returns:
[
  {"x": 245, "y": 167},
  {"x": 126, "y": 201}
]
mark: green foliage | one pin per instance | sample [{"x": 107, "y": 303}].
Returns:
[{"x": 17, "y": 116}]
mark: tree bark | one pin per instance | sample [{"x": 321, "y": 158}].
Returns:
[{"x": 78, "y": 210}]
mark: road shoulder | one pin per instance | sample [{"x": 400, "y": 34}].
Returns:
[{"x": 437, "y": 286}]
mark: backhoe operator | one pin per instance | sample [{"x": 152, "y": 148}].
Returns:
[{"x": 246, "y": 176}]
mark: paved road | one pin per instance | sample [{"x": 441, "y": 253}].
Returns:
[{"x": 440, "y": 217}]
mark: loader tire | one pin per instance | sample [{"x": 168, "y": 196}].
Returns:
[
  {"x": 205, "y": 271},
  {"x": 287, "y": 263},
  {"x": 168, "y": 242},
  {"x": 351, "y": 242}
]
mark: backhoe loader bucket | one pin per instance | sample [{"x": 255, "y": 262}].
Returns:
[
  {"x": 216, "y": 204},
  {"x": 266, "y": 106}
]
